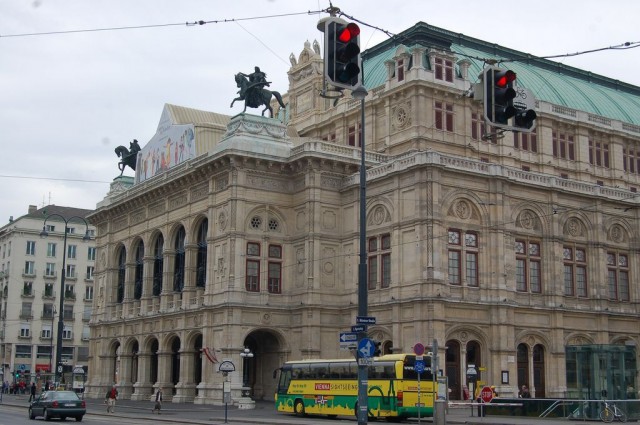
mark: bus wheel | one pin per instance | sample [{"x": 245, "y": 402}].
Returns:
[{"x": 298, "y": 408}]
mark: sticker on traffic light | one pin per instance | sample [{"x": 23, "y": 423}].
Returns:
[{"x": 342, "y": 53}]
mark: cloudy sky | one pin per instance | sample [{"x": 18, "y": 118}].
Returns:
[{"x": 68, "y": 98}]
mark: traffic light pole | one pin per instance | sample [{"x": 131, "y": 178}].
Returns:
[{"x": 363, "y": 373}]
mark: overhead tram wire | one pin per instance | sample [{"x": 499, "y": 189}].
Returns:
[{"x": 187, "y": 24}]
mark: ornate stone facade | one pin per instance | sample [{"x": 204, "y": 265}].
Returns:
[{"x": 487, "y": 247}]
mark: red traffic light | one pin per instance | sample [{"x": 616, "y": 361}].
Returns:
[
  {"x": 504, "y": 78},
  {"x": 350, "y": 32}
]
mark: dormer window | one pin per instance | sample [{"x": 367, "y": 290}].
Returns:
[
  {"x": 400, "y": 69},
  {"x": 443, "y": 69}
]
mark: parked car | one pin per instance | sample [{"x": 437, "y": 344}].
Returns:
[{"x": 58, "y": 404}]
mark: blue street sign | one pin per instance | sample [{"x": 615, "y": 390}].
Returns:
[
  {"x": 359, "y": 328},
  {"x": 366, "y": 347},
  {"x": 365, "y": 320},
  {"x": 419, "y": 366},
  {"x": 348, "y": 337}
]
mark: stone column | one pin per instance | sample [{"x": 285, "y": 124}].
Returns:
[
  {"x": 143, "y": 389},
  {"x": 125, "y": 386},
  {"x": 164, "y": 373},
  {"x": 186, "y": 388}
]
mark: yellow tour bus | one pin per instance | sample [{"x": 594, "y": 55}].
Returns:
[{"x": 330, "y": 387}]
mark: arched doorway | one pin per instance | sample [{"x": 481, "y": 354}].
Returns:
[
  {"x": 197, "y": 361},
  {"x": 452, "y": 365},
  {"x": 522, "y": 363},
  {"x": 134, "y": 362},
  {"x": 153, "y": 361},
  {"x": 538, "y": 371},
  {"x": 266, "y": 347},
  {"x": 114, "y": 367},
  {"x": 175, "y": 363}
]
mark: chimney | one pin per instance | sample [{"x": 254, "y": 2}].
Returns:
[{"x": 32, "y": 209}]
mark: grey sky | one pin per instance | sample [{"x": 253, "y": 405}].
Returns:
[{"x": 67, "y": 100}]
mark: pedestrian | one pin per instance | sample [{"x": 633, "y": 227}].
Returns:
[
  {"x": 32, "y": 392},
  {"x": 110, "y": 399},
  {"x": 158, "y": 404},
  {"x": 524, "y": 392}
]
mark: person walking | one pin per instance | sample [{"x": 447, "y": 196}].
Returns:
[
  {"x": 32, "y": 392},
  {"x": 110, "y": 399},
  {"x": 158, "y": 404}
]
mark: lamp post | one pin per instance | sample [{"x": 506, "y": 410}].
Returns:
[
  {"x": 86, "y": 237},
  {"x": 53, "y": 315},
  {"x": 363, "y": 374},
  {"x": 246, "y": 354}
]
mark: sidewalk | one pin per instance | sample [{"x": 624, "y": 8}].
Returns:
[{"x": 198, "y": 414}]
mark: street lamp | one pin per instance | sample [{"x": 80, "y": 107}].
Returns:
[
  {"x": 53, "y": 315},
  {"x": 86, "y": 237},
  {"x": 246, "y": 354}
]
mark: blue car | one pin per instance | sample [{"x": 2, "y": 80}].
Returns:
[{"x": 58, "y": 404}]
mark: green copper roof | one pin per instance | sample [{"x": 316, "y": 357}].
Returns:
[{"x": 549, "y": 81}]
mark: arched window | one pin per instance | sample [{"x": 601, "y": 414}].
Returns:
[
  {"x": 122, "y": 267},
  {"x": 178, "y": 271},
  {"x": 201, "y": 263},
  {"x": 158, "y": 265},
  {"x": 137, "y": 283},
  {"x": 522, "y": 359}
]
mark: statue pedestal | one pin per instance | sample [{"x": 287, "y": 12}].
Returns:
[{"x": 257, "y": 136}]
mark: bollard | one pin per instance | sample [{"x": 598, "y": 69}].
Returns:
[{"x": 440, "y": 412}]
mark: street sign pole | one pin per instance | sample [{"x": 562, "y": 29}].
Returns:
[{"x": 363, "y": 374}]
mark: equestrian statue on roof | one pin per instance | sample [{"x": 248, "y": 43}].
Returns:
[
  {"x": 129, "y": 156},
  {"x": 253, "y": 92}
]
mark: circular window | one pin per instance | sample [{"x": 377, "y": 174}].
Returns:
[
  {"x": 274, "y": 225},
  {"x": 256, "y": 222}
]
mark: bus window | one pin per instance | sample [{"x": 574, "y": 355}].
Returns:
[
  {"x": 285, "y": 380},
  {"x": 382, "y": 370},
  {"x": 319, "y": 370},
  {"x": 299, "y": 371},
  {"x": 339, "y": 370}
]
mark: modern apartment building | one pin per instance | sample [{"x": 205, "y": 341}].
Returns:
[
  {"x": 31, "y": 264},
  {"x": 517, "y": 252}
]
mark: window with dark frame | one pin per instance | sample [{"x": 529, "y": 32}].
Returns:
[
  {"x": 139, "y": 269},
  {"x": 274, "y": 284},
  {"x": 252, "y": 280},
  {"x": 631, "y": 158},
  {"x": 158, "y": 265},
  {"x": 179, "y": 264},
  {"x": 528, "y": 266},
  {"x": 598, "y": 153},
  {"x": 354, "y": 135},
  {"x": 618, "y": 276},
  {"x": 400, "y": 69},
  {"x": 462, "y": 256},
  {"x": 201, "y": 260},
  {"x": 443, "y": 69},
  {"x": 443, "y": 116},
  {"x": 379, "y": 261},
  {"x": 526, "y": 141},
  {"x": 563, "y": 146},
  {"x": 575, "y": 271}
]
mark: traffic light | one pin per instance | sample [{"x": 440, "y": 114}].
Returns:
[
  {"x": 377, "y": 351},
  {"x": 498, "y": 95},
  {"x": 342, "y": 53},
  {"x": 524, "y": 119}
]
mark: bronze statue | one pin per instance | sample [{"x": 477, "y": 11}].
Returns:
[
  {"x": 253, "y": 93},
  {"x": 128, "y": 156}
]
